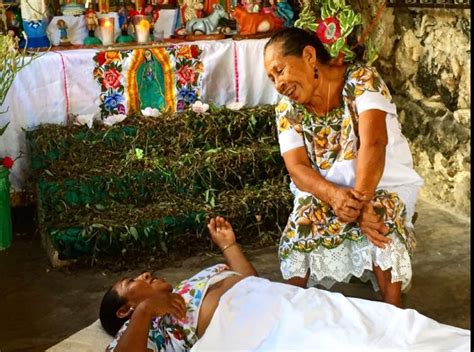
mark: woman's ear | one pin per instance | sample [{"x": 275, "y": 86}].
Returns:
[
  {"x": 309, "y": 55},
  {"x": 124, "y": 311}
]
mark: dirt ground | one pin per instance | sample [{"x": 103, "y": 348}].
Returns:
[{"x": 41, "y": 306}]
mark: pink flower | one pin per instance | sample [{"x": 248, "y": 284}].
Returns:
[
  {"x": 7, "y": 162},
  {"x": 186, "y": 75},
  {"x": 184, "y": 290},
  {"x": 329, "y": 30},
  {"x": 111, "y": 79}
]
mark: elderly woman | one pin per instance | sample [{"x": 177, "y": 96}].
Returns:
[
  {"x": 351, "y": 170},
  {"x": 225, "y": 307}
]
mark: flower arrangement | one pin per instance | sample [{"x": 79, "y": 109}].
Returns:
[{"x": 332, "y": 21}]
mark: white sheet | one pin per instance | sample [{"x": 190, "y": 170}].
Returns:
[{"x": 260, "y": 315}]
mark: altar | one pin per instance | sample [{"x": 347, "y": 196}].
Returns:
[{"x": 66, "y": 82}]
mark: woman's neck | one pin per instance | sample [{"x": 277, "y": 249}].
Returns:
[{"x": 327, "y": 95}]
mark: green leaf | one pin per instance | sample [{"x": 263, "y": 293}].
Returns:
[
  {"x": 2, "y": 130},
  {"x": 133, "y": 231}
]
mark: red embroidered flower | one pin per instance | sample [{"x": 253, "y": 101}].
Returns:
[
  {"x": 178, "y": 334},
  {"x": 186, "y": 75},
  {"x": 329, "y": 30},
  {"x": 111, "y": 79},
  {"x": 194, "y": 51},
  {"x": 7, "y": 162},
  {"x": 101, "y": 58}
]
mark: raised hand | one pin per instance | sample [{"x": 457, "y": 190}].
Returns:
[{"x": 221, "y": 232}]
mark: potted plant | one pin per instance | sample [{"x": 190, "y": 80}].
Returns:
[{"x": 12, "y": 61}]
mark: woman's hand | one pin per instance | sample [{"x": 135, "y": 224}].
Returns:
[
  {"x": 221, "y": 232},
  {"x": 373, "y": 227},
  {"x": 346, "y": 203},
  {"x": 162, "y": 304}
]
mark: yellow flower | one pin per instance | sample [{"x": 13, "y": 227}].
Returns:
[
  {"x": 111, "y": 56},
  {"x": 334, "y": 228},
  {"x": 199, "y": 67},
  {"x": 359, "y": 89},
  {"x": 345, "y": 122},
  {"x": 322, "y": 142},
  {"x": 349, "y": 155},
  {"x": 185, "y": 51},
  {"x": 290, "y": 234},
  {"x": 283, "y": 125},
  {"x": 98, "y": 73},
  {"x": 324, "y": 165},
  {"x": 282, "y": 106},
  {"x": 359, "y": 73}
]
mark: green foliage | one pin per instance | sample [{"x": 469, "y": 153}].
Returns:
[{"x": 147, "y": 186}]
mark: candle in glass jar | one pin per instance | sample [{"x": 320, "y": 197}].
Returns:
[
  {"x": 142, "y": 29},
  {"x": 107, "y": 30}
]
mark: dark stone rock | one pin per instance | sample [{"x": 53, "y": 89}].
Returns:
[
  {"x": 426, "y": 80},
  {"x": 449, "y": 99}
]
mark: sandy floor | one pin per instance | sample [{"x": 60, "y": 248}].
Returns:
[{"x": 41, "y": 306}]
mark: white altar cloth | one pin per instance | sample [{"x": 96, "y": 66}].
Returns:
[{"x": 62, "y": 82}]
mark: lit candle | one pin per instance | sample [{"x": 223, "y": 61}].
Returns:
[
  {"x": 107, "y": 30},
  {"x": 142, "y": 29}
]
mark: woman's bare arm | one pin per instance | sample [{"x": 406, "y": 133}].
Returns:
[{"x": 370, "y": 165}]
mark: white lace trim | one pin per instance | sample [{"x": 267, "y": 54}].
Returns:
[{"x": 350, "y": 258}]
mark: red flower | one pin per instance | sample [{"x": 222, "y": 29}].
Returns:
[
  {"x": 101, "y": 58},
  {"x": 194, "y": 51},
  {"x": 178, "y": 334},
  {"x": 329, "y": 30},
  {"x": 111, "y": 79},
  {"x": 186, "y": 75},
  {"x": 7, "y": 162}
]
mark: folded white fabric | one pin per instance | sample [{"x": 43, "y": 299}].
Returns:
[{"x": 260, "y": 315}]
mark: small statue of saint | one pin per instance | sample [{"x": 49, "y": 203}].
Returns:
[{"x": 63, "y": 38}]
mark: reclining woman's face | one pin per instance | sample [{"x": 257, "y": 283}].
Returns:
[{"x": 141, "y": 287}]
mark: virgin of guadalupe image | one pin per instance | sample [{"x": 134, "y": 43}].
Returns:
[{"x": 150, "y": 83}]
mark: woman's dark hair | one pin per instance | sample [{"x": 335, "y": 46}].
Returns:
[
  {"x": 109, "y": 306},
  {"x": 293, "y": 40}
]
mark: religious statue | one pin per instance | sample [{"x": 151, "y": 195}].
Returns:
[
  {"x": 207, "y": 25},
  {"x": 62, "y": 26},
  {"x": 34, "y": 15},
  {"x": 124, "y": 20},
  {"x": 150, "y": 83},
  {"x": 92, "y": 21},
  {"x": 190, "y": 9}
]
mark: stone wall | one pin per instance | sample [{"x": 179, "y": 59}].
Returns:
[{"x": 424, "y": 56}]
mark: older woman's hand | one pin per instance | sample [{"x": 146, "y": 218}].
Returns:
[
  {"x": 373, "y": 227},
  {"x": 346, "y": 204}
]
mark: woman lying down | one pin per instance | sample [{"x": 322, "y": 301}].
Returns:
[{"x": 227, "y": 308}]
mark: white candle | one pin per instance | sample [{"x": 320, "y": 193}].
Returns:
[
  {"x": 142, "y": 29},
  {"x": 107, "y": 30}
]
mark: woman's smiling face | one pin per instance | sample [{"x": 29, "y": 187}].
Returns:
[
  {"x": 292, "y": 76},
  {"x": 141, "y": 287}
]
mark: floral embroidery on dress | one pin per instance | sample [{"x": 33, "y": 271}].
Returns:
[{"x": 316, "y": 224}]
